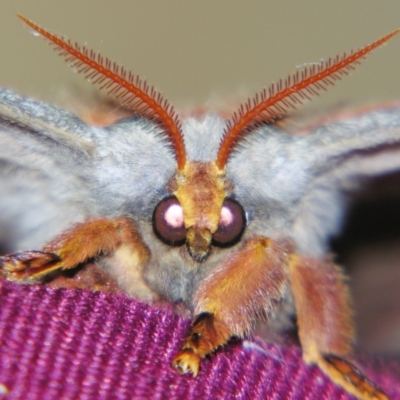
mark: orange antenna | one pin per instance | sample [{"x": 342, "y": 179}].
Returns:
[
  {"x": 275, "y": 102},
  {"x": 127, "y": 88}
]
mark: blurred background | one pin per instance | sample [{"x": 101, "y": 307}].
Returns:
[
  {"x": 197, "y": 52},
  {"x": 211, "y": 53}
]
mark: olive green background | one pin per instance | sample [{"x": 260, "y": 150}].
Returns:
[{"x": 203, "y": 52}]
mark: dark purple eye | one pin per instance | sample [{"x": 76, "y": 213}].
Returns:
[
  {"x": 168, "y": 221},
  {"x": 231, "y": 225}
]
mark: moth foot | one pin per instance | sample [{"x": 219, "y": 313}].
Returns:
[
  {"x": 27, "y": 265},
  {"x": 205, "y": 335},
  {"x": 349, "y": 377},
  {"x": 187, "y": 362}
]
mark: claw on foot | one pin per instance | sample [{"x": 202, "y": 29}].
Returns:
[
  {"x": 28, "y": 264},
  {"x": 187, "y": 362},
  {"x": 205, "y": 335}
]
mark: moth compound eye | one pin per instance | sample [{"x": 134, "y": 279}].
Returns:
[
  {"x": 168, "y": 222},
  {"x": 231, "y": 225}
]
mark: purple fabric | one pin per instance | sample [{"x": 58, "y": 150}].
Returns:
[{"x": 76, "y": 344}]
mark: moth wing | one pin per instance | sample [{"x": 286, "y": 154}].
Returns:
[
  {"x": 350, "y": 154},
  {"x": 57, "y": 170},
  {"x": 300, "y": 185},
  {"x": 42, "y": 190}
]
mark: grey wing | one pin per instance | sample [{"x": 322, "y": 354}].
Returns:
[
  {"x": 300, "y": 186},
  {"x": 43, "y": 164},
  {"x": 349, "y": 155},
  {"x": 56, "y": 170}
]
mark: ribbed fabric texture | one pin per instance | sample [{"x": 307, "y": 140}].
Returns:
[{"x": 76, "y": 344}]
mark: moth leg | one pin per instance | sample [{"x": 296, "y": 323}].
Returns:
[
  {"x": 74, "y": 246},
  {"x": 231, "y": 298},
  {"x": 325, "y": 324}
]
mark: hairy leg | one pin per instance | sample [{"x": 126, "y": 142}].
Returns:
[
  {"x": 75, "y": 246},
  {"x": 229, "y": 301},
  {"x": 325, "y": 325}
]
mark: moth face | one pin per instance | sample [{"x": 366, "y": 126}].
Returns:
[{"x": 200, "y": 212}]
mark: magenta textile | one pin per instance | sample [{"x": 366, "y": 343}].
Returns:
[{"x": 77, "y": 344}]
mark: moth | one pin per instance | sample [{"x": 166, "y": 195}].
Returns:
[{"x": 229, "y": 217}]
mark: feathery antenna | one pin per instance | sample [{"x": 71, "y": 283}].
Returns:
[
  {"x": 287, "y": 94},
  {"x": 127, "y": 88}
]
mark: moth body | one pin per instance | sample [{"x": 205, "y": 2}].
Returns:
[{"x": 230, "y": 217}]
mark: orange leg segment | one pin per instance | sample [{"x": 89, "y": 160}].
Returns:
[
  {"x": 325, "y": 325},
  {"x": 232, "y": 297},
  {"x": 74, "y": 246}
]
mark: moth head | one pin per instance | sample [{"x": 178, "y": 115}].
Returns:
[{"x": 200, "y": 210}]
